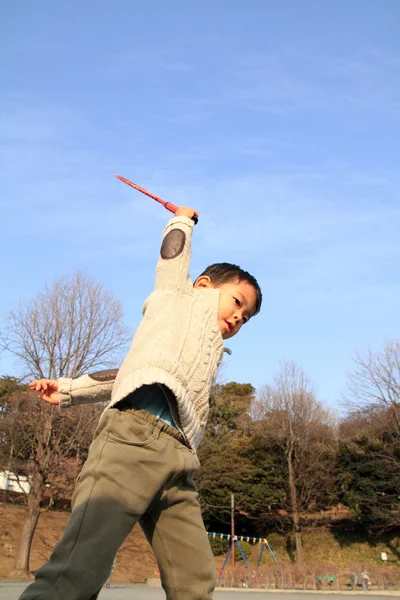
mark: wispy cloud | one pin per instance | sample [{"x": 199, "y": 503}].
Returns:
[
  {"x": 292, "y": 80},
  {"x": 144, "y": 61}
]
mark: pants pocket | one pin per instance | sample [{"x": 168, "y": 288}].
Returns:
[{"x": 126, "y": 429}]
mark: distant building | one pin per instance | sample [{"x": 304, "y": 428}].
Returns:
[{"x": 10, "y": 482}]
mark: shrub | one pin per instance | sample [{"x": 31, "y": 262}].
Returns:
[{"x": 218, "y": 545}]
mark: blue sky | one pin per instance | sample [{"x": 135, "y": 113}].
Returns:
[{"x": 279, "y": 122}]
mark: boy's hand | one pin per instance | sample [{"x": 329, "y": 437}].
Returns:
[
  {"x": 184, "y": 211},
  {"x": 48, "y": 390}
]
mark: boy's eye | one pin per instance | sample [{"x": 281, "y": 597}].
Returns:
[
  {"x": 237, "y": 302},
  {"x": 245, "y": 319}
]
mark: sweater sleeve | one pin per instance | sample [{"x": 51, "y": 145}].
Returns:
[
  {"x": 88, "y": 389},
  {"x": 173, "y": 264}
]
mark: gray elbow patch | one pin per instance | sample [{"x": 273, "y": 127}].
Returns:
[
  {"x": 173, "y": 244},
  {"x": 106, "y": 375}
]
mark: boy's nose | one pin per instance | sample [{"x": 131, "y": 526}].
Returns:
[{"x": 238, "y": 318}]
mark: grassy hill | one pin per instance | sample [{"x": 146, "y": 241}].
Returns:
[{"x": 325, "y": 550}]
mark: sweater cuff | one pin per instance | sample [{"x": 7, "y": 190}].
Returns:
[
  {"x": 64, "y": 392},
  {"x": 180, "y": 219}
]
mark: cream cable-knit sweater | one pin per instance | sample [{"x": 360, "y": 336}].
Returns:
[{"x": 178, "y": 342}]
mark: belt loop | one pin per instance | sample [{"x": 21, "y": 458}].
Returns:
[{"x": 158, "y": 428}]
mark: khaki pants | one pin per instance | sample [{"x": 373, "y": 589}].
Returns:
[{"x": 138, "y": 469}]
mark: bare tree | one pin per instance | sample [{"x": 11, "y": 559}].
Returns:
[
  {"x": 46, "y": 447},
  {"x": 374, "y": 384},
  {"x": 72, "y": 327},
  {"x": 288, "y": 414},
  {"x": 370, "y": 438}
]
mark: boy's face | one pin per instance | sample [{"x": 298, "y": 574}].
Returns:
[{"x": 237, "y": 304}]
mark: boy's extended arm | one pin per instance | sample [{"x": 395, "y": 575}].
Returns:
[
  {"x": 95, "y": 387},
  {"x": 174, "y": 262}
]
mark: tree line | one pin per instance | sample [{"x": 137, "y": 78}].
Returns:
[
  {"x": 286, "y": 458},
  {"x": 279, "y": 450}
]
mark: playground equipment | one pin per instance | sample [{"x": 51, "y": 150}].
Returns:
[{"x": 236, "y": 539}]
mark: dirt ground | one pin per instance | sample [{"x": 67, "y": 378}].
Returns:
[{"x": 135, "y": 560}]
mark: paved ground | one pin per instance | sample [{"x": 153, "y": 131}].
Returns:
[{"x": 10, "y": 590}]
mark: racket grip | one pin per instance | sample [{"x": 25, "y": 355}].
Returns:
[{"x": 173, "y": 208}]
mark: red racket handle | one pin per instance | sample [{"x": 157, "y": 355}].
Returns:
[{"x": 168, "y": 205}]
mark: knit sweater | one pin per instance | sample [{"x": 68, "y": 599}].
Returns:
[{"x": 177, "y": 344}]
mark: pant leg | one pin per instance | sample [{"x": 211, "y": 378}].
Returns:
[
  {"x": 174, "y": 528},
  {"x": 123, "y": 475}
]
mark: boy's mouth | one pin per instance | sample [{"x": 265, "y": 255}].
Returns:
[{"x": 230, "y": 326}]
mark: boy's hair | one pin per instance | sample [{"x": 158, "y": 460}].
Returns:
[{"x": 221, "y": 273}]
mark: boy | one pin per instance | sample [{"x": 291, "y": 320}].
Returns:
[{"x": 141, "y": 461}]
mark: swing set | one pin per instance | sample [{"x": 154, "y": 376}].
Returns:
[{"x": 236, "y": 539}]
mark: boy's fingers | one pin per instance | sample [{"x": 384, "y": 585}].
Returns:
[
  {"x": 50, "y": 399},
  {"x": 45, "y": 387},
  {"x": 44, "y": 397},
  {"x": 35, "y": 385}
]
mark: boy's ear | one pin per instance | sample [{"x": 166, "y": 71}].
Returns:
[{"x": 203, "y": 282}]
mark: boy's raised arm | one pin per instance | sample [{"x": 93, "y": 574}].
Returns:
[
  {"x": 174, "y": 262},
  {"x": 87, "y": 389}
]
